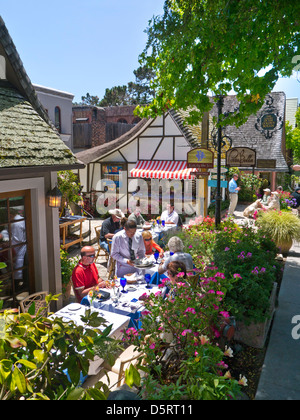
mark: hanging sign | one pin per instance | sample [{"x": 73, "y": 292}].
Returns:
[
  {"x": 241, "y": 157},
  {"x": 200, "y": 158}
]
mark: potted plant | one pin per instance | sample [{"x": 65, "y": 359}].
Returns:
[
  {"x": 283, "y": 227},
  {"x": 67, "y": 267}
]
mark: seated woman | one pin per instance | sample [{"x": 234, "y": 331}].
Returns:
[
  {"x": 175, "y": 245},
  {"x": 173, "y": 269},
  {"x": 274, "y": 203},
  {"x": 150, "y": 244},
  {"x": 250, "y": 210}
]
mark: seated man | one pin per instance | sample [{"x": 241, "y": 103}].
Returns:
[
  {"x": 170, "y": 216},
  {"x": 175, "y": 245},
  {"x": 127, "y": 245},
  {"x": 85, "y": 276},
  {"x": 109, "y": 227},
  {"x": 137, "y": 218}
]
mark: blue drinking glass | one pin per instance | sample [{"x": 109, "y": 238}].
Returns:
[
  {"x": 156, "y": 256},
  {"x": 123, "y": 283},
  {"x": 147, "y": 280},
  {"x": 171, "y": 253},
  {"x": 163, "y": 223}
]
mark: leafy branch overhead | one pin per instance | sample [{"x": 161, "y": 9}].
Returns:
[{"x": 216, "y": 47}]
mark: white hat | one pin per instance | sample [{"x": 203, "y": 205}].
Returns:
[
  {"x": 275, "y": 193},
  {"x": 267, "y": 189},
  {"x": 117, "y": 212}
]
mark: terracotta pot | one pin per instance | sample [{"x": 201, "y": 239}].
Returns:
[
  {"x": 255, "y": 334},
  {"x": 285, "y": 246},
  {"x": 67, "y": 293}
]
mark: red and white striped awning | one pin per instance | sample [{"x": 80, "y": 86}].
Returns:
[{"x": 162, "y": 169}]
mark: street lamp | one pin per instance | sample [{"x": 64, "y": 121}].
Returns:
[{"x": 54, "y": 198}]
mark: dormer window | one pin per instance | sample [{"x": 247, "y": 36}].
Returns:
[{"x": 2, "y": 68}]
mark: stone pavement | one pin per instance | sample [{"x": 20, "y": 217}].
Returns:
[{"x": 280, "y": 377}]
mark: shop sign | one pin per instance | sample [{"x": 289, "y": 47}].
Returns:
[
  {"x": 241, "y": 157},
  {"x": 200, "y": 158}
]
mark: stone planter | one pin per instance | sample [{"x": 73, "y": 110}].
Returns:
[{"x": 255, "y": 335}]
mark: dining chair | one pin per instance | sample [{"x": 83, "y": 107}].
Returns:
[
  {"x": 100, "y": 248},
  {"x": 39, "y": 301},
  {"x": 130, "y": 356}
]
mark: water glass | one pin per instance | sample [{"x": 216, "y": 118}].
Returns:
[
  {"x": 156, "y": 256},
  {"x": 163, "y": 223},
  {"x": 123, "y": 283},
  {"x": 147, "y": 280}
]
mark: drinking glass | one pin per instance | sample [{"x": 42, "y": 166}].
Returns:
[
  {"x": 171, "y": 253},
  {"x": 163, "y": 223},
  {"x": 147, "y": 280},
  {"x": 123, "y": 282},
  {"x": 156, "y": 256}
]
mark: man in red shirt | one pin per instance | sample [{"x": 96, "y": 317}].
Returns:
[{"x": 85, "y": 276}]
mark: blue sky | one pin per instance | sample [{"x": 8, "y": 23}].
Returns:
[{"x": 81, "y": 47}]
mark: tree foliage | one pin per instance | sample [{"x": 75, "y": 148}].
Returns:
[
  {"x": 134, "y": 93},
  {"x": 211, "y": 47},
  {"x": 293, "y": 138}
]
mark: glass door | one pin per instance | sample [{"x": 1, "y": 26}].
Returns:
[{"x": 16, "y": 262}]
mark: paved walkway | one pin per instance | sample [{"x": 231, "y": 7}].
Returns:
[{"x": 280, "y": 378}]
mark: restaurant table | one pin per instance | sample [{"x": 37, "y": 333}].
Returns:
[
  {"x": 128, "y": 303},
  {"x": 64, "y": 224},
  {"x": 74, "y": 312},
  {"x": 159, "y": 231}
]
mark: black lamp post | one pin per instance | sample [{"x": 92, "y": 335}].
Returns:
[{"x": 220, "y": 104}]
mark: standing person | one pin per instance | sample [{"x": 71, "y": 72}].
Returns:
[
  {"x": 296, "y": 195},
  {"x": 127, "y": 245},
  {"x": 233, "y": 194},
  {"x": 109, "y": 227},
  {"x": 85, "y": 276}
]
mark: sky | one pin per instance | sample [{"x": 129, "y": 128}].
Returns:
[{"x": 87, "y": 46}]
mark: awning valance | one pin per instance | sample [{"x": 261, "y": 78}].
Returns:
[{"x": 162, "y": 169}]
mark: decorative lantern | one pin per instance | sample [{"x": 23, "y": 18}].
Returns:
[{"x": 54, "y": 198}]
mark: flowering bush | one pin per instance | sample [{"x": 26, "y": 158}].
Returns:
[
  {"x": 286, "y": 201},
  {"x": 247, "y": 259},
  {"x": 178, "y": 340}
]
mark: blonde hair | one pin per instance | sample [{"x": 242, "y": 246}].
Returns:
[{"x": 146, "y": 234}]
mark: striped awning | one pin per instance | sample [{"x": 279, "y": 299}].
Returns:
[{"x": 162, "y": 169}]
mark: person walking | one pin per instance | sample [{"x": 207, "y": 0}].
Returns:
[{"x": 233, "y": 194}]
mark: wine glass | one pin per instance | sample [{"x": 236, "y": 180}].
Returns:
[
  {"x": 171, "y": 253},
  {"x": 156, "y": 256},
  {"x": 147, "y": 280},
  {"x": 123, "y": 283},
  {"x": 163, "y": 223}
]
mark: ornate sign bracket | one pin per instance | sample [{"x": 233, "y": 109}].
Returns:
[{"x": 269, "y": 121}]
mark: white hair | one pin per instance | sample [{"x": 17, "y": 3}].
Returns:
[{"x": 175, "y": 244}]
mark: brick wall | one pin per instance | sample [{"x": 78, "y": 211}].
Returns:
[{"x": 99, "y": 118}]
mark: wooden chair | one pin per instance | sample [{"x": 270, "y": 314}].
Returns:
[
  {"x": 39, "y": 300},
  {"x": 111, "y": 268},
  {"x": 127, "y": 358},
  {"x": 97, "y": 230}
]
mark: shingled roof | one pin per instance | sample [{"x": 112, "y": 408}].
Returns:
[{"x": 27, "y": 136}]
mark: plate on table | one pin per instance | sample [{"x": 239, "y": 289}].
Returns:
[
  {"x": 131, "y": 278},
  {"x": 142, "y": 263},
  {"x": 74, "y": 306},
  {"x": 104, "y": 296}
]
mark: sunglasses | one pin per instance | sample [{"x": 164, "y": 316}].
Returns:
[
  {"x": 149, "y": 239},
  {"x": 90, "y": 256}
]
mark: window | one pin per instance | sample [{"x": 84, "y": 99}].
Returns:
[
  {"x": 122, "y": 121},
  {"x": 57, "y": 117},
  {"x": 16, "y": 274}
]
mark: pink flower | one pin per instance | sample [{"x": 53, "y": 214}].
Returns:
[
  {"x": 192, "y": 310},
  {"x": 225, "y": 314},
  {"x": 152, "y": 346},
  {"x": 227, "y": 249},
  {"x": 184, "y": 332},
  {"x": 237, "y": 276},
  {"x": 220, "y": 293}
]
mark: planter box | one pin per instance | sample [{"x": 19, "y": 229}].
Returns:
[{"x": 255, "y": 335}]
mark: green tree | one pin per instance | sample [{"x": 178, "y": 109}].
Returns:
[
  {"x": 293, "y": 138},
  {"x": 211, "y": 47},
  {"x": 116, "y": 96}
]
